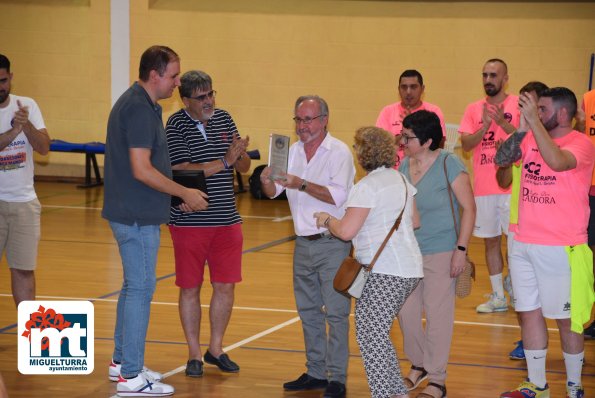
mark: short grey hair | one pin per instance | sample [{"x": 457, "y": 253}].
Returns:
[
  {"x": 321, "y": 103},
  {"x": 194, "y": 80}
]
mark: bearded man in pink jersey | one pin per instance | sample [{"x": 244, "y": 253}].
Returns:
[
  {"x": 550, "y": 261},
  {"x": 484, "y": 123},
  {"x": 411, "y": 89}
]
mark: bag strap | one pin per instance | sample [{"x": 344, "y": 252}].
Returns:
[
  {"x": 452, "y": 208},
  {"x": 393, "y": 229}
]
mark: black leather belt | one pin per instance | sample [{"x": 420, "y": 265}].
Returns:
[{"x": 317, "y": 236}]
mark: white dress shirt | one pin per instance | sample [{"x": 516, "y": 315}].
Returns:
[{"x": 331, "y": 166}]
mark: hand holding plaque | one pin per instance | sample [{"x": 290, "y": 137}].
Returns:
[{"x": 278, "y": 156}]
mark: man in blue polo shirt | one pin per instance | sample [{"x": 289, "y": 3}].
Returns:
[{"x": 137, "y": 193}]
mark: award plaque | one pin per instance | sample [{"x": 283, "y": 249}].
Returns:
[
  {"x": 278, "y": 155},
  {"x": 190, "y": 179}
]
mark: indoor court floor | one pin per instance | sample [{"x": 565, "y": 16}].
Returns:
[{"x": 78, "y": 259}]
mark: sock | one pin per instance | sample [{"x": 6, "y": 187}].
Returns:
[
  {"x": 536, "y": 366},
  {"x": 497, "y": 284},
  {"x": 574, "y": 367},
  {"x": 117, "y": 362}
]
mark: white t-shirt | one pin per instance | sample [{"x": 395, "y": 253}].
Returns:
[
  {"x": 16, "y": 160},
  {"x": 383, "y": 192}
]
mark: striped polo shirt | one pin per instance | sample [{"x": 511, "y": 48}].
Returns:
[{"x": 187, "y": 143}]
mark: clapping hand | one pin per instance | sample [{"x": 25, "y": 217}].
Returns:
[
  {"x": 237, "y": 149},
  {"x": 496, "y": 113},
  {"x": 21, "y": 117}
]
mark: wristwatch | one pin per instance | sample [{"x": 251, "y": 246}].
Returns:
[
  {"x": 462, "y": 248},
  {"x": 304, "y": 185}
]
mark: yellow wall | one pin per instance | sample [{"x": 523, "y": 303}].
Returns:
[
  {"x": 263, "y": 54},
  {"x": 59, "y": 52}
]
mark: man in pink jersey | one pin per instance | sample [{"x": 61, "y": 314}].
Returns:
[
  {"x": 411, "y": 89},
  {"x": 510, "y": 176},
  {"x": 550, "y": 261},
  {"x": 484, "y": 123}
]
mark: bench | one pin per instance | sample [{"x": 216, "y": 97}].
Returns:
[{"x": 90, "y": 149}]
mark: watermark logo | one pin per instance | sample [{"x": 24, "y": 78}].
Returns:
[{"x": 56, "y": 337}]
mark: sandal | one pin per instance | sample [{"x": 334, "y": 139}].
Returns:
[
  {"x": 424, "y": 394},
  {"x": 412, "y": 385}
]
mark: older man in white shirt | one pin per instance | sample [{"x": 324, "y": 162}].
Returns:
[{"x": 319, "y": 177}]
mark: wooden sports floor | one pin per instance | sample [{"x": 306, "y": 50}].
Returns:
[{"x": 78, "y": 259}]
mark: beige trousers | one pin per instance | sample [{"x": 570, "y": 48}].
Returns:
[{"x": 434, "y": 295}]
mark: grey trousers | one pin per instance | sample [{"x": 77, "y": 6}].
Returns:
[{"x": 314, "y": 266}]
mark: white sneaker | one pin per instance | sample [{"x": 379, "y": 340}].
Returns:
[
  {"x": 494, "y": 304},
  {"x": 574, "y": 390},
  {"x": 114, "y": 372},
  {"x": 142, "y": 386}
]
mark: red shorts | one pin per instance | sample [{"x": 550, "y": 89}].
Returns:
[{"x": 220, "y": 247}]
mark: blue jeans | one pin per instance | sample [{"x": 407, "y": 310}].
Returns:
[{"x": 138, "y": 249}]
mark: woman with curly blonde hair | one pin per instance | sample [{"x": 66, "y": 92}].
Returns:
[{"x": 373, "y": 206}]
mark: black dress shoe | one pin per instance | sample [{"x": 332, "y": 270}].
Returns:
[
  {"x": 335, "y": 390},
  {"x": 305, "y": 382},
  {"x": 223, "y": 362},
  {"x": 194, "y": 368}
]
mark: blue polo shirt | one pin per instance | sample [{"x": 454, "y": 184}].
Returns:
[{"x": 134, "y": 122}]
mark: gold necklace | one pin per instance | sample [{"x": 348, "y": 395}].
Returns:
[{"x": 419, "y": 167}]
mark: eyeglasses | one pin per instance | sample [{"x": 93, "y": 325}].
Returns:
[
  {"x": 406, "y": 138},
  {"x": 210, "y": 94},
  {"x": 306, "y": 120}
]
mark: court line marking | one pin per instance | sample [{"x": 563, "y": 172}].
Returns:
[
  {"x": 235, "y": 345},
  {"x": 274, "y": 219},
  {"x": 252, "y": 338},
  {"x": 71, "y": 207},
  {"x": 405, "y": 359},
  {"x": 286, "y": 218},
  {"x": 473, "y": 365},
  {"x": 253, "y": 249},
  {"x": 243, "y": 342},
  {"x": 263, "y": 309},
  {"x": 153, "y": 303}
]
